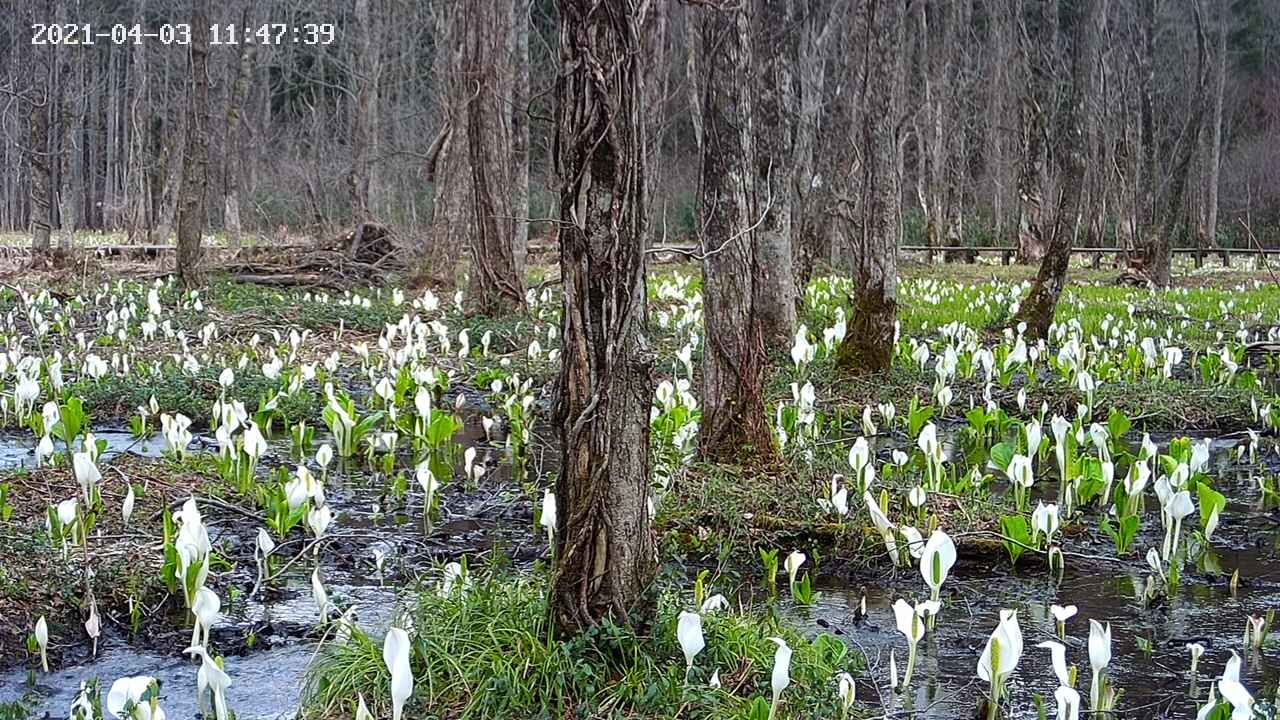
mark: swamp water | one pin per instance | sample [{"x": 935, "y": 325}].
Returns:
[{"x": 267, "y": 678}]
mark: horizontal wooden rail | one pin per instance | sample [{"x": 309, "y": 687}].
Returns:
[{"x": 1085, "y": 250}]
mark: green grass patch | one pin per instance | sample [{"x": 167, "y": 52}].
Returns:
[{"x": 488, "y": 653}]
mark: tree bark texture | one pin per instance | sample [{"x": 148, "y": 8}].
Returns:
[
  {"x": 363, "y": 116},
  {"x": 809, "y": 224},
  {"x": 1157, "y": 247},
  {"x": 39, "y": 100},
  {"x": 1037, "y": 39},
  {"x": 775, "y": 287},
  {"x": 733, "y": 412},
  {"x": 605, "y": 555},
  {"x": 232, "y": 147},
  {"x": 1069, "y": 148},
  {"x": 496, "y": 286},
  {"x": 869, "y": 341},
  {"x": 195, "y": 160},
  {"x": 520, "y": 132}
]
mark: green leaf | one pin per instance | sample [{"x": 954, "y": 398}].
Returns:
[{"x": 1001, "y": 454}]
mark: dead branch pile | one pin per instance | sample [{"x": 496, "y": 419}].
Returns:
[{"x": 367, "y": 255}]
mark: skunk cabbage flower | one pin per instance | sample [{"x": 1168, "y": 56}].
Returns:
[
  {"x": 205, "y": 609},
  {"x": 936, "y": 561},
  {"x": 1234, "y": 692},
  {"x": 548, "y": 517},
  {"x": 1001, "y": 654},
  {"x": 848, "y": 691},
  {"x": 793, "y": 563},
  {"x": 689, "y": 635},
  {"x": 911, "y": 622},
  {"x": 1058, "y": 654},
  {"x": 1062, "y": 614},
  {"x": 1045, "y": 519},
  {"x": 395, "y": 653},
  {"x": 781, "y": 676},
  {"x": 1196, "y": 650},
  {"x": 42, "y": 640},
  {"x": 213, "y": 678},
  {"x": 362, "y": 710},
  {"x": 1099, "y": 658},
  {"x": 128, "y": 692},
  {"x": 1068, "y": 703},
  {"x": 319, "y": 594}
]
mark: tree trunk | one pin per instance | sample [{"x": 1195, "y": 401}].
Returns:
[
  {"x": 1157, "y": 248},
  {"x": 66, "y": 100},
  {"x": 39, "y": 148},
  {"x": 775, "y": 285},
  {"x": 363, "y": 116},
  {"x": 1038, "y": 24},
  {"x": 733, "y": 412},
  {"x": 520, "y": 133},
  {"x": 605, "y": 549},
  {"x": 1069, "y": 148},
  {"x": 448, "y": 168},
  {"x": 869, "y": 342},
  {"x": 232, "y": 147},
  {"x": 808, "y": 224},
  {"x": 1215, "y": 157},
  {"x": 195, "y": 161},
  {"x": 496, "y": 287}
]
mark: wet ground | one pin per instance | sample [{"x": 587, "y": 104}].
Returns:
[
  {"x": 1156, "y": 684},
  {"x": 267, "y": 676},
  {"x": 269, "y": 639}
]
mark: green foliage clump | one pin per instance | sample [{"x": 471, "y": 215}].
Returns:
[{"x": 488, "y": 651}]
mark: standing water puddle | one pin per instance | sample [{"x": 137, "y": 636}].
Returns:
[{"x": 266, "y": 679}]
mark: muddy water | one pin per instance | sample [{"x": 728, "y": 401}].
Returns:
[
  {"x": 267, "y": 677},
  {"x": 282, "y": 620},
  {"x": 18, "y": 450},
  {"x": 1154, "y": 684}
]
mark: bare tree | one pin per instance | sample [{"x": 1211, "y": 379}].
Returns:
[
  {"x": 364, "y": 116},
  {"x": 775, "y": 115},
  {"x": 605, "y": 548},
  {"x": 38, "y": 99},
  {"x": 873, "y": 214},
  {"x": 195, "y": 161},
  {"x": 448, "y": 167},
  {"x": 240, "y": 71},
  {"x": 496, "y": 285},
  {"x": 1037, "y": 44},
  {"x": 1068, "y": 151},
  {"x": 520, "y": 132},
  {"x": 1157, "y": 247},
  {"x": 733, "y": 415},
  {"x": 809, "y": 225},
  {"x": 1215, "y": 151}
]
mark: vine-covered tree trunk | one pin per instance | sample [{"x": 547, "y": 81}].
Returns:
[
  {"x": 1069, "y": 149},
  {"x": 195, "y": 161},
  {"x": 869, "y": 341},
  {"x": 496, "y": 285},
  {"x": 605, "y": 549},
  {"x": 775, "y": 286},
  {"x": 733, "y": 413}
]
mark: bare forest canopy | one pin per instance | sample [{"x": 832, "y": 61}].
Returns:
[{"x": 318, "y": 114}]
